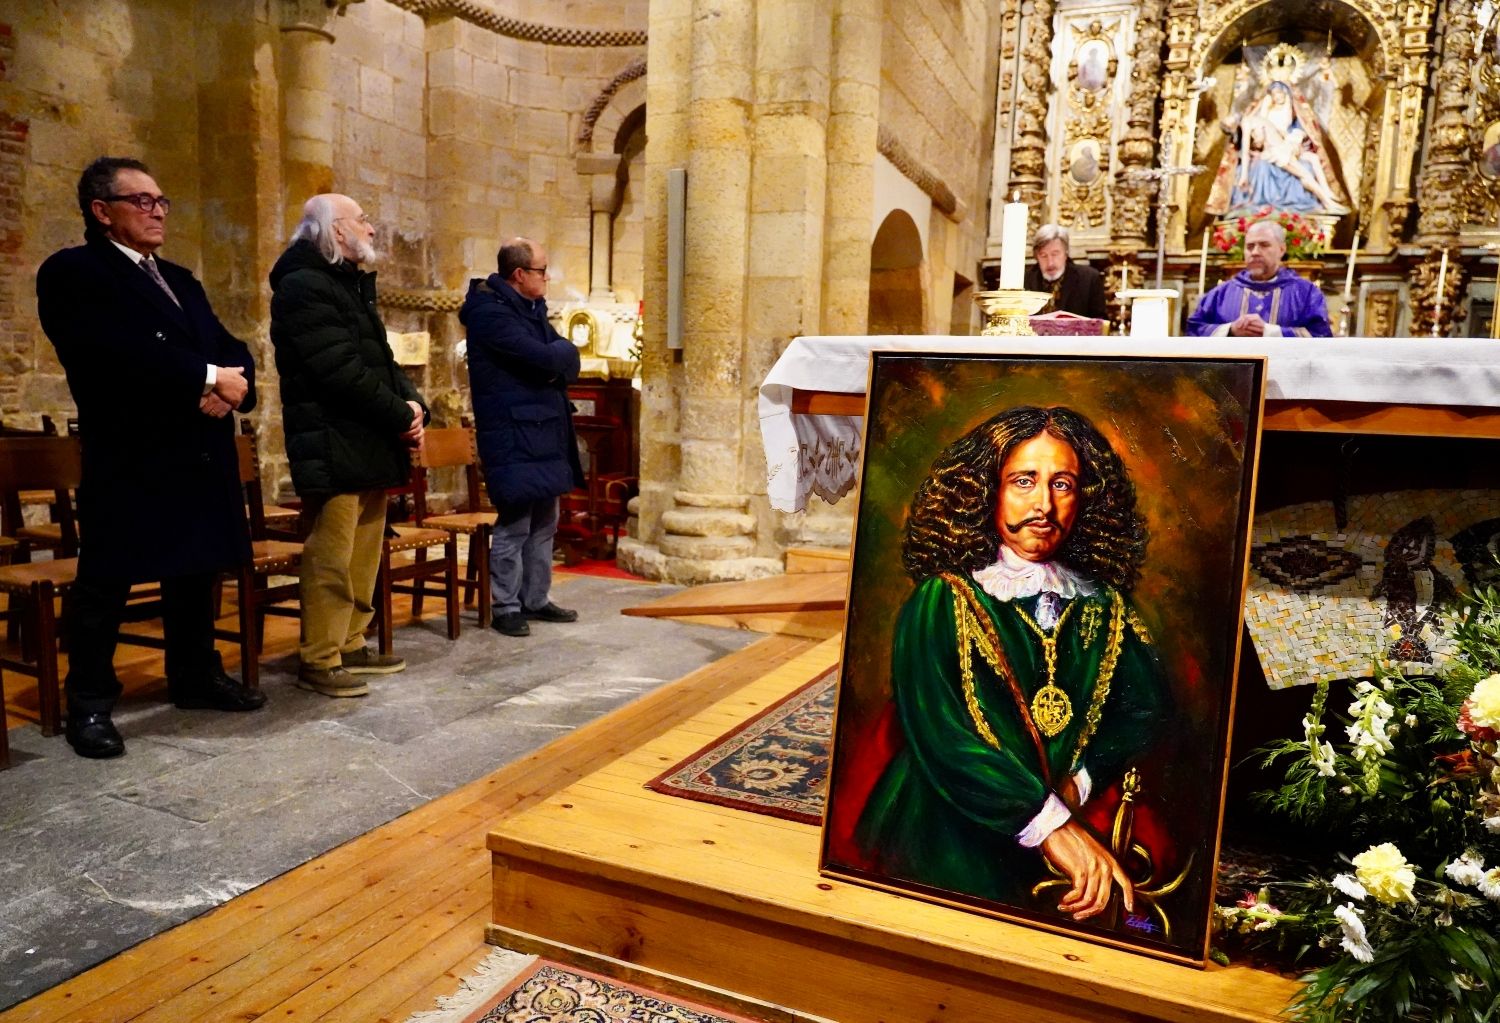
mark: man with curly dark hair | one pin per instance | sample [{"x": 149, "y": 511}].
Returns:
[{"x": 1024, "y": 681}]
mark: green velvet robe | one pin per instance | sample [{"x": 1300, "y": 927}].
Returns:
[{"x": 948, "y": 808}]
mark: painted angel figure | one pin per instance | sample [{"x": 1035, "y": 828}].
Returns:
[{"x": 1277, "y": 156}]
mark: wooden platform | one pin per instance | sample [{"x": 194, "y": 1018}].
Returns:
[
  {"x": 376, "y": 929},
  {"x": 606, "y": 872}
]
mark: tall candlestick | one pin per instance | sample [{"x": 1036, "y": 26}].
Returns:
[
  {"x": 1013, "y": 245},
  {"x": 1203, "y": 264},
  {"x": 1349, "y": 274},
  {"x": 1124, "y": 283},
  {"x": 1437, "y": 310}
]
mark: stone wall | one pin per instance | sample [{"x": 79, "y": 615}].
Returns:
[{"x": 453, "y": 124}]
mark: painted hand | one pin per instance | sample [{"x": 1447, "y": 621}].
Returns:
[{"x": 1091, "y": 869}]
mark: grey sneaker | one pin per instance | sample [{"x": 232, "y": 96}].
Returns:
[
  {"x": 335, "y": 682},
  {"x": 365, "y": 661}
]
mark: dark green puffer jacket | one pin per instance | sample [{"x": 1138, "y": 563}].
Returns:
[{"x": 343, "y": 397}]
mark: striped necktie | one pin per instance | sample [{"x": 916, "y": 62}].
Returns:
[{"x": 149, "y": 265}]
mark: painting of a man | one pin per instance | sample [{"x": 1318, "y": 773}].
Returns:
[
  {"x": 1022, "y": 577},
  {"x": 1033, "y": 713}
]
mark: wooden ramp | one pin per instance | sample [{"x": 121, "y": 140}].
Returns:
[{"x": 612, "y": 876}]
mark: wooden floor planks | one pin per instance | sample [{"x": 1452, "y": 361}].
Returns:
[{"x": 379, "y": 927}]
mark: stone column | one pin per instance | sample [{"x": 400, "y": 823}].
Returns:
[
  {"x": 853, "y": 130},
  {"x": 307, "y": 102},
  {"x": 1028, "y": 154},
  {"x": 603, "y": 172}
]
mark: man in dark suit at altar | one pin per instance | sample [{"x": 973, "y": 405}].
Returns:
[
  {"x": 1075, "y": 288},
  {"x": 154, "y": 376}
]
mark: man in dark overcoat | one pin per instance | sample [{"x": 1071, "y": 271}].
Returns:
[
  {"x": 519, "y": 371},
  {"x": 154, "y": 376},
  {"x": 351, "y": 416}
]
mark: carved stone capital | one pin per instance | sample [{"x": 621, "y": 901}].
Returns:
[{"x": 314, "y": 16}]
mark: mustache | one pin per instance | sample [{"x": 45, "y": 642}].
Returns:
[{"x": 1035, "y": 520}]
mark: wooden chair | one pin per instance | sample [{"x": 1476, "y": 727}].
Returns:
[
  {"x": 257, "y": 597},
  {"x": 452, "y": 448},
  {"x": 60, "y": 534},
  {"x": 393, "y": 577},
  {"x": 276, "y": 522},
  {"x": 31, "y": 588}
]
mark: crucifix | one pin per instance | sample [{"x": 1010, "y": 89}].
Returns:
[{"x": 1163, "y": 175}]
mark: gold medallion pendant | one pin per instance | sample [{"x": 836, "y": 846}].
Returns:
[{"x": 1051, "y": 710}]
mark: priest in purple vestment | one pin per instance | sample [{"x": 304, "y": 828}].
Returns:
[{"x": 1265, "y": 299}]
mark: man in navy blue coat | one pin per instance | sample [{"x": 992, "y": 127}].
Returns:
[
  {"x": 154, "y": 375},
  {"x": 519, "y": 371}
]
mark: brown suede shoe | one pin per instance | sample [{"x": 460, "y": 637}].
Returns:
[
  {"x": 365, "y": 661},
  {"x": 335, "y": 682}
]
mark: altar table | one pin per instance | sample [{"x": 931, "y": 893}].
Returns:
[{"x": 812, "y": 402}]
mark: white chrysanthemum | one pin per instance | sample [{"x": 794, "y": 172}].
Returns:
[
  {"x": 1354, "y": 940},
  {"x": 1350, "y": 887},
  {"x": 1489, "y": 884},
  {"x": 1467, "y": 869},
  {"x": 1493, "y": 824}
]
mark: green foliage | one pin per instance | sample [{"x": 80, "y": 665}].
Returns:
[{"x": 1409, "y": 771}]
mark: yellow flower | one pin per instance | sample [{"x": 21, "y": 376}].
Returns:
[
  {"x": 1484, "y": 703},
  {"x": 1385, "y": 873}
]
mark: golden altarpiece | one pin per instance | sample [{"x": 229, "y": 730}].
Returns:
[{"x": 1370, "y": 118}]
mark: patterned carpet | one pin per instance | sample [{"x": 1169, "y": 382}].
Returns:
[
  {"x": 776, "y": 763},
  {"x": 547, "y": 992}
]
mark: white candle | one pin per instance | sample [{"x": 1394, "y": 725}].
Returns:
[
  {"x": 1123, "y": 283},
  {"x": 1203, "y": 263},
  {"x": 1013, "y": 245},
  {"x": 1437, "y": 312},
  {"x": 1349, "y": 274}
]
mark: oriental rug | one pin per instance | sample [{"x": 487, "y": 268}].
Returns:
[
  {"x": 509, "y": 987},
  {"x": 776, "y": 763}
]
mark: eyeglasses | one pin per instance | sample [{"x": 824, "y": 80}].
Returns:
[
  {"x": 143, "y": 201},
  {"x": 536, "y": 269},
  {"x": 363, "y": 218}
]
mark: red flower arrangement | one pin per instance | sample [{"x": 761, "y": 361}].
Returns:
[{"x": 1304, "y": 238}]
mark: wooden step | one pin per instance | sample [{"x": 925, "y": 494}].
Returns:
[{"x": 804, "y": 591}]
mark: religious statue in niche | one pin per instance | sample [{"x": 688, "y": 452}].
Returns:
[{"x": 1278, "y": 153}]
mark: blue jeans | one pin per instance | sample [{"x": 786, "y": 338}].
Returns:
[{"x": 521, "y": 556}]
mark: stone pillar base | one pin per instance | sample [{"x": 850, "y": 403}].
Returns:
[{"x": 643, "y": 559}]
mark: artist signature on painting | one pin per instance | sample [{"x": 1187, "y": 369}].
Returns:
[{"x": 1142, "y": 922}]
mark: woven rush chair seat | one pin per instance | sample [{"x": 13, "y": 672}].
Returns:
[
  {"x": 466, "y": 523},
  {"x": 410, "y": 538}
]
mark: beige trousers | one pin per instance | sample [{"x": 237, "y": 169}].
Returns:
[{"x": 340, "y": 559}]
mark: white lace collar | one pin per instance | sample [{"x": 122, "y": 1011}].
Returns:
[{"x": 1012, "y": 577}]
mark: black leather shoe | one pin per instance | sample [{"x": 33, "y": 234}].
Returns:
[
  {"x": 218, "y": 692},
  {"x": 550, "y": 612},
  {"x": 94, "y": 736},
  {"x": 512, "y": 624}
]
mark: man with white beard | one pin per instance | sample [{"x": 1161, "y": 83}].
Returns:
[
  {"x": 350, "y": 416},
  {"x": 1075, "y": 288}
]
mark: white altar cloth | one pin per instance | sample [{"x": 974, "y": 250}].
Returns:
[{"x": 820, "y": 454}]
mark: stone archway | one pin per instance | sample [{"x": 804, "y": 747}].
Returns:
[{"x": 896, "y": 272}]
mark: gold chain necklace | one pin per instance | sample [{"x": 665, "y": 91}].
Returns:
[{"x": 1051, "y": 708}]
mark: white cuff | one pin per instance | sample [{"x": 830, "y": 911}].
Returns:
[
  {"x": 1273, "y": 330},
  {"x": 213, "y": 376},
  {"x": 1222, "y": 330},
  {"x": 1085, "y": 785},
  {"x": 1054, "y": 814}
]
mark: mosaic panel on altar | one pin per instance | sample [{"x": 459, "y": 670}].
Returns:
[{"x": 1327, "y": 601}]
